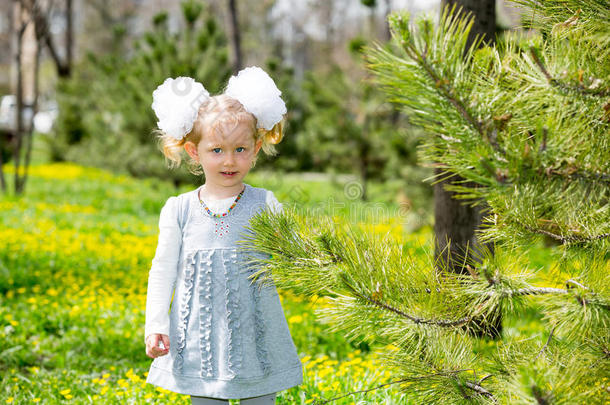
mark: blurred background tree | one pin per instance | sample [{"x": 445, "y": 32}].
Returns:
[
  {"x": 351, "y": 128},
  {"x": 105, "y": 116}
]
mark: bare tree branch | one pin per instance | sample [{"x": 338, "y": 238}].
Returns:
[{"x": 42, "y": 29}]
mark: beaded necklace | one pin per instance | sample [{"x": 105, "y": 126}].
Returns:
[{"x": 224, "y": 214}]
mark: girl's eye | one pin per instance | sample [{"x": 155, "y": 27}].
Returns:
[
  {"x": 216, "y": 150},
  {"x": 242, "y": 149}
]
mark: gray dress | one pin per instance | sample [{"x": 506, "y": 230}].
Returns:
[{"x": 228, "y": 334}]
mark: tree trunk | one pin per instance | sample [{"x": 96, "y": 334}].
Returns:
[
  {"x": 455, "y": 225},
  {"x": 373, "y": 22},
  {"x": 21, "y": 27},
  {"x": 29, "y": 135},
  {"x": 235, "y": 34},
  {"x": 30, "y": 30},
  {"x": 41, "y": 21},
  {"x": 388, "y": 10},
  {"x": 455, "y": 222},
  {"x": 69, "y": 33},
  {"x": 2, "y": 180},
  {"x": 485, "y": 17}
]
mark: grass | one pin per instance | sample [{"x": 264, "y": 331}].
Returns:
[{"x": 74, "y": 258}]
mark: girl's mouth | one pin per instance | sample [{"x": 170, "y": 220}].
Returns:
[{"x": 229, "y": 174}]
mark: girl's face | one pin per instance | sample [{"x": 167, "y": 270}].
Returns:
[{"x": 225, "y": 158}]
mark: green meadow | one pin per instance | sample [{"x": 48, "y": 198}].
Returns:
[{"x": 74, "y": 258}]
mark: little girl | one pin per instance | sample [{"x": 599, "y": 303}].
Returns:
[{"x": 226, "y": 336}]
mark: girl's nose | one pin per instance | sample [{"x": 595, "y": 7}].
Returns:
[{"x": 229, "y": 158}]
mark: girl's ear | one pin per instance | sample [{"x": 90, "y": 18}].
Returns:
[{"x": 191, "y": 149}]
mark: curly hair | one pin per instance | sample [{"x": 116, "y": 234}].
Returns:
[{"x": 218, "y": 113}]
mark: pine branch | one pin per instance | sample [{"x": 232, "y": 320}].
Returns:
[
  {"x": 563, "y": 239},
  {"x": 532, "y": 291},
  {"x": 475, "y": 386},
  {"x": 546, "y": 344},
  {"x": 442, "y": 84},
  {"x": 572, "y": 173},
  {"x": 547, "y": 290},
  {"x": 537, "y": 291},
  {"x": 566, "y": 88},
  {"x": 414, "y": 319},
  {"x": 481, "y": 390}
]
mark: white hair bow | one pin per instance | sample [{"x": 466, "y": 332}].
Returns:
[
  {"x": 177, "y": 101},
  {"x": 259, "y": 95}
]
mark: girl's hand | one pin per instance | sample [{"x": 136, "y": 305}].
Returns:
[{"x": 152, "y": 345}]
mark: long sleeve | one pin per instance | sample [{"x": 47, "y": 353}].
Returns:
[
  {"x": 273, "y": 203},
  {"x": 164, "y": 270}
]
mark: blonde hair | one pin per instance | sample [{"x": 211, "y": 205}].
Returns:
[{"x": 217, "y": 114}]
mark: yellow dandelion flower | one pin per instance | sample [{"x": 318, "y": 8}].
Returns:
[
  {"x": 323, "y": 373},
  {"x": 295, "y": 319}
]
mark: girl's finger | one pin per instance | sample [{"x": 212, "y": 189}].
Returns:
[{"x": 165, "y": 340}]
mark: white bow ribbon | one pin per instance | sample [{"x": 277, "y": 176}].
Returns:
[{"x": 176, "y": 102}]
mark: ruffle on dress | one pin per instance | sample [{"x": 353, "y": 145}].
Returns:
[
  {"x": 260, "y": 328},
  {"x": 229, "y": 261},
  {"x": 185, "y": 310},
  {"x": 205, "y": 317},
  {"x": 202, "y": 260}
]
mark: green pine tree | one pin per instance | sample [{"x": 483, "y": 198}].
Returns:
[{"x": 528, "y": 121}]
